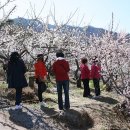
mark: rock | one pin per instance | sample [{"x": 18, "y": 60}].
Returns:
[{"x": 78, "y": 118}]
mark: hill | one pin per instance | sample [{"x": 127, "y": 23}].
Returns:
[{"x": 38, "y": 26}]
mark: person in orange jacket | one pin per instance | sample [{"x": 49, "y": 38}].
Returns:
[{"x": 40, "y": 75}]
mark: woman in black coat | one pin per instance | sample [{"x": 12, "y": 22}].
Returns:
[{"x": 15, "y": 76}]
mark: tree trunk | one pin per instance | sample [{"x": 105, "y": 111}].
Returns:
[
  {"x": 107, "y": 83},
  {"x": 78, "y": 78},
  {"x": 79, "y": 83}
]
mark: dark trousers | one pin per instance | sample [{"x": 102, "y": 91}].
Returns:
[
  {"x": 96, "y": 86},
  {"x": 18, "y": 96},
  {"x": 65, "y": 85},
  {"x": 40, "y": 90},
  {"x": 86, "y": 87}
]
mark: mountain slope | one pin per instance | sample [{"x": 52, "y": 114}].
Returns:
[{"x": 39, "y": 27}]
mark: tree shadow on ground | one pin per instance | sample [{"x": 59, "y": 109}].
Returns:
[
  {"x": 108, "y": 100},
  {"x": 21, "y": 118},
  {"x": 73, "y": 119},
  {"x": 39, "y": 120},
  {"x": 51, "y": 112}
]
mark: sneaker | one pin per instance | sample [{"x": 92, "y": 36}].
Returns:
[
  {"x": 95, "y": 97},
  {"x": 18, "y": 107},
  {"x": 43, "y": 104}
]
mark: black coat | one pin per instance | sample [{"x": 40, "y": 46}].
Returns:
[{"x": 15, "y": 74}]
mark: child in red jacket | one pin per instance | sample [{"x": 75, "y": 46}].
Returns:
[
  {"x": 40, "y": 74},
  {"x": 85, "y": 75}
]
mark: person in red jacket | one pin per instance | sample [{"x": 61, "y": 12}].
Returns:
[
  {"x": 40, "y": 75},
  {"x": 95, "y": 75},
  {"x": 61, "y": 68},
  {"x": 85, "y": 75}
]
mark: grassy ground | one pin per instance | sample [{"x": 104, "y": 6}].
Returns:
[{"x": 3, "y": 84}]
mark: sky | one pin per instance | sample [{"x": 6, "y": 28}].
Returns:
[{"x": 97, "y": 13}]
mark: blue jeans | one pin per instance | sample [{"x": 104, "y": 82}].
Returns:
[{"x": 65, "y": 85}]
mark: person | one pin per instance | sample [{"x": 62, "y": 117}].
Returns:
[
  {"x": 16, "y": 70},
  {"x": 95, "y": 75},
  {"x": 61, "y": 68},
  {"x": 85, "y": 75},
  {"x": 40, "y": 75}
]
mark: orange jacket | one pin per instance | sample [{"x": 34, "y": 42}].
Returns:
[{"x": 40, "y": 69}]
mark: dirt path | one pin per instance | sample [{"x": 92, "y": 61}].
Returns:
[{"x": 32, "y": 117}]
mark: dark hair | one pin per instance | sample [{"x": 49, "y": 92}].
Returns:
[
  {"x": 84, "y": 60},
  {"x": 59, "y": 54},
  {"x": 40, "y": 56},
  {"x": 14, "y": 57}
]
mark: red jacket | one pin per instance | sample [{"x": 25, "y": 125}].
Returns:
[
  {"x": 61, "y": 69},
  {"x": 85, "y": 72},
  {"x": 95, "y": 71},
  {"x": 40, "y": 69}
]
